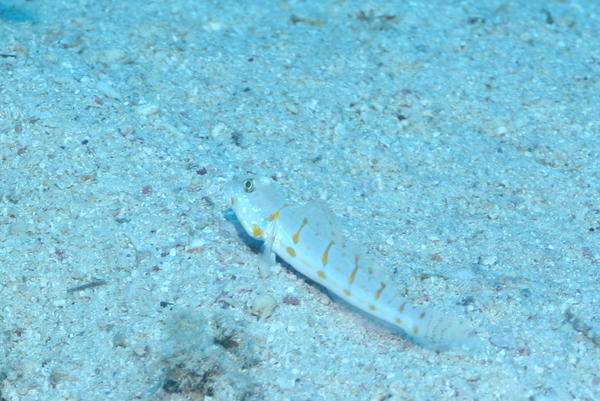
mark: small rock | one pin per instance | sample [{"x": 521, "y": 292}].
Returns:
[
  {"x": 59, "y": 303},
  {"x": 18, "y": 227},
  {"x": 472, "y": 376},
  {"x": 503, "y": 341},
  {"x": 112, "y": 56},
  {"x": 147, "y": 110},
  {"x": 51, "y": 57},
  {"x": 126, "y": 129},
  {"x": 107, "y": 90},
  {"x": 220, "y": 131},
  {"x": 489, "y": 260},
  {"x": 140, "y": 351},
  {"x": 119, "y": 340},
  {"x": 264, "y": 305}
]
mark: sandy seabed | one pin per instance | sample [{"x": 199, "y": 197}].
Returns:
[{"x": 459, "y": 142}]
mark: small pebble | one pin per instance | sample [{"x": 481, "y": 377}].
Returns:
[
  {"x": 59, "y": 303},
  {"x": 147, "y": 110},
  {"x": 489, "y": 260},
  {"x": 107, "y": 90},
  {"x": 140, "y": 351},
  {"x": 472, "y": 376},
  {"x": 220, "y": 131},
  {"x": 198, "y": 243},
  {"x": 51, "y": 57},
  {"x": 264, "y": 305},
  {"x": 291, "y": 300},
  {"x": 550, "y": 396},
  {"x": 64, "y": 80},
  {"x": 113, "y": 56},
  {"x": 119, "y": 340},
  {"x": 18, "y": 227},
  {"x": 503, "y": 341},
  {"x": 126, "y": 129}
]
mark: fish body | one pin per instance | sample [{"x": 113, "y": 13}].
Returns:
[{"x": 309, "y": 238}]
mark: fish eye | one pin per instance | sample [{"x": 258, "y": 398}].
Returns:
[{"x": 249, "y": 185}]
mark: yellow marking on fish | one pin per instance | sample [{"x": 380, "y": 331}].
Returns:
[
  {"x": 416, "y": 330},
  {"x": 296, "y": 236},
  {"x": 275, "y": 215},
  {"x": 372, "y": 307},
  {"x": 399, "y": 321},
  {"x": 352, "y": 275},
  {"x": 291, "y": 251},
  {"x": 256, "y": 231},
  {"x": 379, "y": 291},
  {"x": 322, "y": 274},
  {"x": 325, "y": 255},
  {"x": 401, "y": 308},
  {"x": 422, "y": 315},
  {"x": 347, "y": 292}
]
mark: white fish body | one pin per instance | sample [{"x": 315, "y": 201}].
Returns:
[{"x": 308, "y": 238}]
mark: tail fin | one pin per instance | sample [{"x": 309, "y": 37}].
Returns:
[{"x": 441, "y": 332}]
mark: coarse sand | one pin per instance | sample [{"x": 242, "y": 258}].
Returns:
[{"x": 459, "y": 142}]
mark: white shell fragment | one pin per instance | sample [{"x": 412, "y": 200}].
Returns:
[{"x": 264, "y": 305}]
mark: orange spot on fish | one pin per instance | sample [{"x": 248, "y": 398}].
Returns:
[
  {"x": 275, "y": 215},
  {"x": 296, "y": 236},
  {"x": 379, "y": 291},
  {"x": 256, "y": 231},
  {"x": 352, "y": 275},
  {"x": 325, "y": 255}
]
